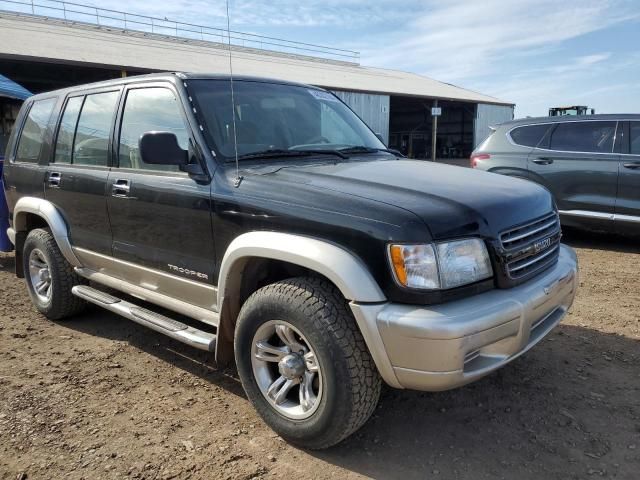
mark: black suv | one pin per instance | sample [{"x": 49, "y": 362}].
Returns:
[
  {"x": 591, "y": 164},
  {"x": 319, "y": 261}
]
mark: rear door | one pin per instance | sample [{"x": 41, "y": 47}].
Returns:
[
  {"x": 577, "y": 163},
  {"x": 77, "y": 174},
  {"x": 627, "y": 217},
  {"x": 160, "y": 216}
]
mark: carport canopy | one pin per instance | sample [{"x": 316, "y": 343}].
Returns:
[{"x": 10, "y": 89}]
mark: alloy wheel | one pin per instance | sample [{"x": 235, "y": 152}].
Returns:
[{"x": 286, "y": 369}]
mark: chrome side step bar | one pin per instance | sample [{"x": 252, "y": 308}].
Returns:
[
  {"x": 165, "y": 325},
  {"x": 198, "y": 313}
]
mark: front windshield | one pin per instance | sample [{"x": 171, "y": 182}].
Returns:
[{"x": 271, "y": 116}]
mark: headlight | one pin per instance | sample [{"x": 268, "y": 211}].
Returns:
[{"x": 447, "y": 265}]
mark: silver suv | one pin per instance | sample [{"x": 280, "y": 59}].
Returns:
[{"x": 591, "y": 165}]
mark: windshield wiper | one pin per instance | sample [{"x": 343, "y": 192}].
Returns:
[
  {"x": 274, "y": 153},
  {"x": 363, "y": 149},
  {"x": 337, "y": 153}
]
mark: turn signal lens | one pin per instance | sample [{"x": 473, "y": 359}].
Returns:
[{"x": 415, "y": 266}]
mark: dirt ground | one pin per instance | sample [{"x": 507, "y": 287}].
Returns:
[{"x": 100, "y": 397}]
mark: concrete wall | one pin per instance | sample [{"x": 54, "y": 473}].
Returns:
[
  {"x": 372, "y": 108},
  {"x": 488, "y": 115}
]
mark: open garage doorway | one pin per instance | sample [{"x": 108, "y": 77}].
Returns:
[
  {"x": 410, "y": 128},
  {"x": 39, "y": 76}
]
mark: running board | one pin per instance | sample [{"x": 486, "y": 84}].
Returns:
[{"x": 165, "y": 325}]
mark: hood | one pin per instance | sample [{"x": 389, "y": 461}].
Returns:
[{"x": 452, "y": 201}]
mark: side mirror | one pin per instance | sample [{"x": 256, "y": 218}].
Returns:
[
  {"x": 161, "y": 148},
  {"x": 381, "y": 138}
]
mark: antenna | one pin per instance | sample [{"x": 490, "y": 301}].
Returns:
[{"x": 238, "y": 179}]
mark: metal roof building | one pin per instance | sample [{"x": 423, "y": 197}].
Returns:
[{"x": 43, "y": 48}]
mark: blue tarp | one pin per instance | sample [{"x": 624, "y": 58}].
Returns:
[{"x": 11, "y": 89}]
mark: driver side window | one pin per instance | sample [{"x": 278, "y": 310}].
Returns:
[{"x": 145, "y": 110}]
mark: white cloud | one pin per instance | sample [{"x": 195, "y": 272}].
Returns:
[
  {"x": 593, "y": 80},
  {"x": 517, "y": 50},
  {"x": 255, "y": 13},
  {"x": 460, "y": 39}
]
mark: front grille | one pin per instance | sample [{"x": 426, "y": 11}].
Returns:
[{"x": 530, "y": 248}]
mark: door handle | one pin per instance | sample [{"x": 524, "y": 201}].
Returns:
[
  {"x": 121, "y": 188},
  {"x": 54, "y": 179},
  {"x": 632, "y": 165},
  {"x": 543, "y": 160}
]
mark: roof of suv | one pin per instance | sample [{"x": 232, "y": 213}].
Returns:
[
  {"x": 571, "y": 118},
  {"x": 171, "y": 76}
]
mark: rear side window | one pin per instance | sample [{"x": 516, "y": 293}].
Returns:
[
  {"x": 594, "y": 137},
  {"x": 529, "y": 135},
  {"x": 35, "y": 126},
  {"x": 91, "y": 144},
  {"x": 635, "y": 138},
  {"x": 67, "y": 130},
  {"x": 146, "y": 110}
]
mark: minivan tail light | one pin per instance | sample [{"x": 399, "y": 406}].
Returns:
[{"x": 478, "y": 156}]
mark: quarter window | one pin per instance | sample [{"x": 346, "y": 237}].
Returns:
[
  {"x": 529, "y": 136},
  {"x": 147, "y": 110},
  {"x": 34, "y": 129},
  {"x": 67, "y": 130},
  {"x": 635, "y": 138},
  {"x": 91, "y": 145},
  {"x": 589, "y": 136}
]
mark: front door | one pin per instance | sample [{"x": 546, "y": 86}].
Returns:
[
  {"x": 160, "y": 216},
  {"x": 627, "y": 218},
  {"x": 76, "y": 177},
  {"x": 577, "y": 163}
]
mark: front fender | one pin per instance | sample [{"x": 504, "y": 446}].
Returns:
[
  {"x": 344, "y": 269},
  {"x": 347, "y": 272}
]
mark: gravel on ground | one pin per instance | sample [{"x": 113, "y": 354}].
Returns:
[{"x": 100, "y": 397}]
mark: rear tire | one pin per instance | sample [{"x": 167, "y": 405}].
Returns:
[
  {"x": 50, "y": 277},
  {"x": 299, "y": 337}
]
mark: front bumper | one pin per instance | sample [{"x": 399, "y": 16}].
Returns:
[{"x": 445, "y": 346}]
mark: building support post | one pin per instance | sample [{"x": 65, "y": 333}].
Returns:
[{"x": 434, "y": 132}]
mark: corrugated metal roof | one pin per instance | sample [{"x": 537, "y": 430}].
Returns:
[
  {"x": 10, "y": 89},
  {"x": 396, "y": 82},
  {"x": 55, "y": 39}
]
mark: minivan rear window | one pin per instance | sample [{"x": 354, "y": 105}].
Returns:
[
  {"x": 588, "y": 136},
  {"x": 529, "y": 135},
  {"x": 33, "y": 132}
]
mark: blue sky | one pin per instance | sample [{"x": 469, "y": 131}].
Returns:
[{"x": 536, "y": 54}]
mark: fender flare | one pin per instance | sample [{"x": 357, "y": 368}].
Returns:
[
  {"x": 341, "y": 267},
  {"x": 50, "y": 214},
  {"x": 347, "y": 272}
]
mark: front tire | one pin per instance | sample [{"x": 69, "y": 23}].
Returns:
[
  {"x": 50, "y": 277},
  {"x": 303, "y": 362}
]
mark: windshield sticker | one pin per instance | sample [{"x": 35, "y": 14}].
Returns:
[{"x": 320, "y": 95}]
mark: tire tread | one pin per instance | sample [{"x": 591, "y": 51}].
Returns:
[
  {"x": 322, "y": 302},
  {"x": 65, "y": 304}
]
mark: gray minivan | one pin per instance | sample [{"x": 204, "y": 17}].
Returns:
[{"x": 591, "y": 164}]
